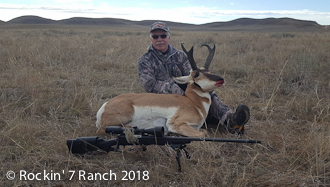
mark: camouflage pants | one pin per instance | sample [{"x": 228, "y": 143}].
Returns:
[{"x": 218, "y": 112}]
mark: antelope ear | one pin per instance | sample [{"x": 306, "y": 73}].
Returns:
[{"x": 185, "y": 79}]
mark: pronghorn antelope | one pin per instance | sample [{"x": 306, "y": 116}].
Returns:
[{"x": 180, "y": 114}]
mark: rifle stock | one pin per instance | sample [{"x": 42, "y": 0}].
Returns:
[{"x": 83, "y": 145}]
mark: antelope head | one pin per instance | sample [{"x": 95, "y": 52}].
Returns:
[{"x": 202, "y": 77}]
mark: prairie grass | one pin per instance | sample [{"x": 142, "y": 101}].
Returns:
[{"x": 53, "y": 81}]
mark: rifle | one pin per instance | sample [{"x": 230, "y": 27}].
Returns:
[{"x": 152, "y": 136}]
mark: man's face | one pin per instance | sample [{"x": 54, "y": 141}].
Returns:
[{"x": 161, "y": 44}]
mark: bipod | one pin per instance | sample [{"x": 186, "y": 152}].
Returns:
[{"x": 178, "y": 148}]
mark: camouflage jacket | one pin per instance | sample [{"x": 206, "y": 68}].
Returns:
[{"x": 156, "y": 70}]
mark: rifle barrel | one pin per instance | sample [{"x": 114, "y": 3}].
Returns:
[{"x": 213, "y": 139}]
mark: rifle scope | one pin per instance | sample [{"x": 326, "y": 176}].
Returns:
[{"x": 157, "y": 131}]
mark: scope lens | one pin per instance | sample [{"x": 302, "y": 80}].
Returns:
[{"x": 114, "y": 130}]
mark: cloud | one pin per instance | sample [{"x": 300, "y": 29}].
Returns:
[
  {"x": 212, "y": 15},
  {"x": 72, "y": 1}
]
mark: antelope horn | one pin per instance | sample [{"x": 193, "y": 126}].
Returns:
[
  {"x": 190, "y": 56},
  {"x": 209, "y": 57}
]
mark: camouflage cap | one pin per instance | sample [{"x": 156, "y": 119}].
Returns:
[{"x": 159, "y": 25}]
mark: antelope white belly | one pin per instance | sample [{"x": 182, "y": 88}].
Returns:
[{"x": 149, "y": 117}]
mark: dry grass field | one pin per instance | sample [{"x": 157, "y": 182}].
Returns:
[{"x": 53, "y": 81}]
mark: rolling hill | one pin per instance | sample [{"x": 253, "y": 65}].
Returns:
[
  {"x": 94, "y": 21},
  {"x": 284, "y": 23},
  {"x": 31, "y": 20},
  {"x": 238, "y": 24}
]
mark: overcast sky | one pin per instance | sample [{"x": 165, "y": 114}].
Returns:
[{"x": 186, "y": 11}]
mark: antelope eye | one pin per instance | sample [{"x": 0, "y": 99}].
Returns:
[{"x": 196, "y": 75}]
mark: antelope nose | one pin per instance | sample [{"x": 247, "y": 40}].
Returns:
[{"x": 219, "y": 83}]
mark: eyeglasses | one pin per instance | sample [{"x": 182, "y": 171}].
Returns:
[{"x": 156, "y": 36}]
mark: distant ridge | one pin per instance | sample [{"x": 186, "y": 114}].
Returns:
[
  {"x": 2, "y": 22},
  {"x": 93, "y": 21},
  {"x": 266, "y": 22},
  {"x": 238, "y": 24},
  {"x": 89, "y": 21},
  {"x": 31, "y": 20}
]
